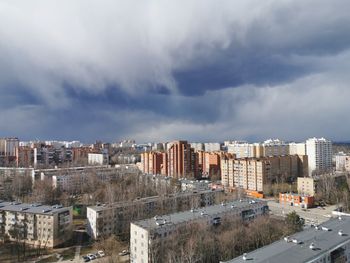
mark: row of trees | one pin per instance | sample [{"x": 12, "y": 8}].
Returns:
[{"x": 198, "y": 243}]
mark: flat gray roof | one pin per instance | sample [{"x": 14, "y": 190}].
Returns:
[
  {"x": 282, "y": 251},
  {"x": 102, "y": 207},
  {"x": 209, "y": 211},
  {"x": 31, "y": 208}
]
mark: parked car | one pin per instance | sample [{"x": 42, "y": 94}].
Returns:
[
  {"x": 101, "y": 253},
  {"x": 91, "y": 256},
  {"x": 124, "y": 253},
  {"x": 86, "y": 258}
]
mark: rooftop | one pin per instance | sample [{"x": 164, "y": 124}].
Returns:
[
  {"x": 31, "y": 208},
  {"x": 189, "y": 215},
  {"x": 101, "y": 207},
  {"x": 308, "y": 244}
]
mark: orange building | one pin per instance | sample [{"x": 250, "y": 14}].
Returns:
[
  {"x": 151, "y": 162},
  {"x": 292, "y": 199},
  {"x": 182, "y": 161},
  {"x": 24, "y": 156}
]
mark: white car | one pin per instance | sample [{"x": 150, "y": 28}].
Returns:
[
  {"x": 124, "y": 253},
  {"x": 101, "y": 253}
]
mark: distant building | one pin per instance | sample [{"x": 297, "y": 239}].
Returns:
[
  {"x": 8, "y": 146},
  {"x": 340, "y": 161},
  {"x": 182, "y": 160},
  {"x": 297, "y": 148},
  {"x": 146, "y": 235},
  {"x": 107, "y": 219},
  {"x": 97, "y": 158},
  {"x": 306, "y": 186},
  {"x": 44, "y": 226},
  {"x": 197, "y": 146},
  {"x": 256, "y": 150},
  {"x": 303, "y": 201},
  {"x": 327, "y": 243},
  {"x": 212, "y": 147},
  {"x": 151, "y": 162},
  {"x": 319, "y": 152},
  {"x": 254, "y": 173}
]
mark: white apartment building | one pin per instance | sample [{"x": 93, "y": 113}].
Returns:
[
  {"x": 340, "y": 161},
  {"x": 319, "y": 151},
  {"x": 146, "y": 235},
  {"x": 96, "y": 159},
  {"x": 271, "y": 147},
  {"x": 107, "y": 219},
  {"x": 40, "y": 225},
  {"x": 327, "y": 243},
  {"x": 197, "y": 146},
  {"x": 212, "y": 147},
  {"x": 297, "y": 148},
  {"x": 242, "y": 149}
]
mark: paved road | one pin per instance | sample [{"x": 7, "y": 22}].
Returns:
[{"x": 313, "y": 215}]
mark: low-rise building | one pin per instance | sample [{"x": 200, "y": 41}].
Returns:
[
  {"x": 146, "y": 235},
  {"x": 327, "y": 243},
  {"x": 38, "y": 225},
  {"x": 304, "y": 201},
  {"x": 306, "y": 186},
  {"x": 107, "y": 219}
]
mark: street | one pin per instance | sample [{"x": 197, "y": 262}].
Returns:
[{"x": 311, "y": 216}]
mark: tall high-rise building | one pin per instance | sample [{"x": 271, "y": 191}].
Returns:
[
  {"x": 151, "y": 162},
  {"x": 319, "y": 151},
  {"x": 182, "y": 161}
]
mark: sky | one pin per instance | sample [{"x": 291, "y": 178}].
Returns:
[{"x": 201, "y": 70}]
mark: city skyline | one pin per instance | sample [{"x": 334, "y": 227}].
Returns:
[{"x": 242, "y": 69}]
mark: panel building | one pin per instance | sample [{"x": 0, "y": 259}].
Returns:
[
  {"x": 39, "y": 225},
  {"x": 327, "y": 243},
  {"x": 319, "y": 152},
  {"x": 254, "y": 173},
  {"x": 105, "y": 220},
  {"x": 146, "y": 236}
]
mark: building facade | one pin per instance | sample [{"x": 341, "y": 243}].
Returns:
[
  {"x": 319, "y": 152},
  {"x": 254, "y": 173},
  {"x": 105, "y": 220},
  {"x": 147, "y": 235},
  {"x": 38, "y": 225},
  {"x": 182, "y": 161}
]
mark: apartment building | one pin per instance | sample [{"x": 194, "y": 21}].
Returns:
[
  {"x": 242, "y": 149},
  {"x": 319, "y": 151},
  {"x": 74, "y": 178},
  {"x": 340, "y": 161},
  {"x": 254, "y": 173},
  {"x": 306, "y": 186},
  {"x": 39, "y": 225},
  {"x": 212, "y": 147},
  {"x": 108, "y": 219},
  {"x": 270, "y": 147},
  {"x": 182, "y": 161},
  {"x": 151, "y": 162},
  {"x": 327, "y": 243},
  {"x": 297, "y": 148},
  {"x": 146, "y": 235},
  {"x": 8, "y": 146}
]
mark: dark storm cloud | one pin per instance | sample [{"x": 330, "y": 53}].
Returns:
[{"x": 169, "y": 69}]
